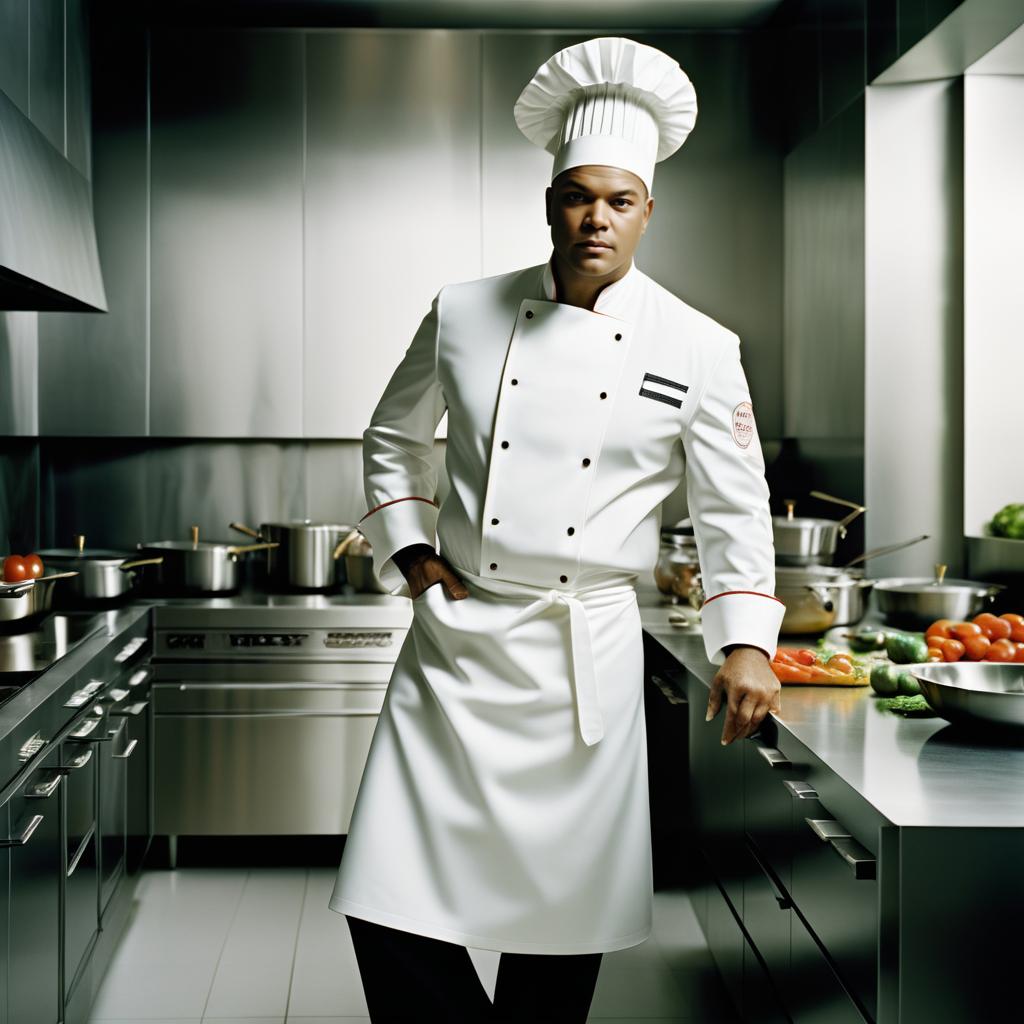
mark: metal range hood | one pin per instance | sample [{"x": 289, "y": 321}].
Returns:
[{"x": 48, "y": 255}]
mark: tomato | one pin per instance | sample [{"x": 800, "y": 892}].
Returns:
[
  {"x": 963, "y": 630},
  {"x": 1018, "y": 653},
  {"x": 15, "y": 570},
  {"x": 841, "y": 663},
  {"x": 785, "y": 656},
  {"x": 805, "y": 657},
  {"x": 992, "y": 626},
  {"x": 34, "y": 564},
  {"x": 977, "y": 647},
  {"x": 939, "y": 628},
  {"x": 1016, "y": 626},
  {"x": 934, "y": 654},
  {"x": 953, "y": 650},
  {"x": 1001, "y": 650}
]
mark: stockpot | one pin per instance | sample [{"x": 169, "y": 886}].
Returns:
[
  {"x": 802, "y": 540},
  {"x": 305, "y": 556},
  {"x": 198, "y": 566},
  {"x": 103, "y": 575}
]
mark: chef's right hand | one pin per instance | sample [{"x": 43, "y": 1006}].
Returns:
[{"x": 422, "y": 567}]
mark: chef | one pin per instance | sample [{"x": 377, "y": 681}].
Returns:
[{"x": 504, "y": 801}]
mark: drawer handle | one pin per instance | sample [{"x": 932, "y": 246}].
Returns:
[
  {"x": 44, "y": 790},
  {"x": 78, "y": 762},
  {"x": 131, "y": 709},
  {"x": 801, "y": 790},
  {"x": 859, "y": 860},
  {"x": 127, "y": 751},
  {"x": 781, "y": 897},
  {"x": 670, "y": 693},
  {"x": 139, "y": 677},
  {"x": 775, "y": 757},
  {"x": 34, "y": 822}
]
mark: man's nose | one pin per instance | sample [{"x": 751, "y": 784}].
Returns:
[{"x": 597, "y": 215}]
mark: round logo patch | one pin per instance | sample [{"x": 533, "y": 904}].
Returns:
[{"x": 743, "y": 424}]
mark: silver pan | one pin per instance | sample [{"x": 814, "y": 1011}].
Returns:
[{"x": 23, "y": 605}]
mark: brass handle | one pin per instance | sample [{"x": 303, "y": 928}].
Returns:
[
  {"x": 80, "y": 542},
  {"x": 195, "y": 536},
  {"x": 344, "y": 544},
  {"x": 846, "y": 520},
  {"x": 56, "y": 576},
  {"x": 940, "y": 573},
  {"x": 790, "y": 506},
  {"x": 247, "y": 530},
  {"x": 244, "y": 549},
  {"x": 139, "y": 562}
]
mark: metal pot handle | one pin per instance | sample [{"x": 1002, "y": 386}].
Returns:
[
  {"x": 138, "y": 563},
  {"x": 344, "y": 544},
  {"x": 846, "y": 520},
  {"x": 247, "y": 530},
  {"x": 821, "y": 593},
  {"x": 244, "y": 549}
]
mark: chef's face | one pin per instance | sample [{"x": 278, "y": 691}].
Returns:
[{"x": 597, "y": 215}]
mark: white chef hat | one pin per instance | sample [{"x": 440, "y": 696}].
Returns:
[{"x": 608, "y": 101}]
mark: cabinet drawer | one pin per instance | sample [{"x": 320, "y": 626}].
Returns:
[
  {"x": 770, "y": 780},
  {"x": 814, "y": 995},
  {"x": 767, "y": 916},
  {"x": 835, "y": 890}
]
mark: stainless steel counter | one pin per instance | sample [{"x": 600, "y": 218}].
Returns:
[{"x": 915, "y": 772}]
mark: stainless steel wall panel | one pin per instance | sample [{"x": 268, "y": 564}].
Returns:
[
  {"x": 19, "y": 495},
  {"x": 392, "y": 208},
  {"x": 94, "y": 370},
  {"x": 19, "y": 393},
  {"x": 913, "y": 431},
  {"x": 14, "y": 51},
  {"x": 843, "y": 53},
  {"x": 77, "y": 87},
  {"x": 715, "y": 237},
  {"x": 824, "y": 281},
  {"x": 46, "y": 69},
  {"x": 993, "y": 298},
  {"x": 226, "y": 343}
]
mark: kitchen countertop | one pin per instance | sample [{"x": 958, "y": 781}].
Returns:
[{"x": 916, "y": 772}]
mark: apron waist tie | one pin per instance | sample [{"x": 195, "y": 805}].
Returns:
[{"x": 588, "y": 708}]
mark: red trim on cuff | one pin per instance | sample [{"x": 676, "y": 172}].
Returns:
[
  {"x": 726, "y": 593},
  {"x": 413, "y": 497}
]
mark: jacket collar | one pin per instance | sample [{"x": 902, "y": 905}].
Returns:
[{"x": 613, "y": 298}]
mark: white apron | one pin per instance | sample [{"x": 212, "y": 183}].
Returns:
[
  {"x": 484, "y": 816},
  {"x": 504, "y": 801}
]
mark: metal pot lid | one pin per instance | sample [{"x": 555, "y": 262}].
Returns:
[
  {"x": 187, "y": 545},
  {"x": 803, "y": 522},
  {"x": 308, "y": 524},
  {"x": 926, "y": 585},
  {"x": 803, "y": 575},
  {"x": 87, "y": 555}
]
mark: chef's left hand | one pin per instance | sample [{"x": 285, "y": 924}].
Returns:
[{"x": 751, "y": 690}]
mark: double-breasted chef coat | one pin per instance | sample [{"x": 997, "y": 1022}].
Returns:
[{"x": 504, "y": 801}]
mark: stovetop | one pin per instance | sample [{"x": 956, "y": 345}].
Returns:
[{"x": 24, "y": 656}]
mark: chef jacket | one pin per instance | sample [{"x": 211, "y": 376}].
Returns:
[{"x": 567, "y": 429}]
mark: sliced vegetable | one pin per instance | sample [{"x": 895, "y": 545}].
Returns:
[
  {"x": 909, "y": 707},
  {"x": 791, "y": 665}
]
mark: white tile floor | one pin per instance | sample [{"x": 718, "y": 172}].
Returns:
[{"x": 260, "y": 946}]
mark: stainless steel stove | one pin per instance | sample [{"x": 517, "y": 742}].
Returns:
[
  {"x": 26, "y": 656},
  {"x": 265, "y": 707}
]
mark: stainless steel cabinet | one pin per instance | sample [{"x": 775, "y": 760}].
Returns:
[
  {"x": 392, "y": 206},
  {"x": 33, "y": 986},
  {"x": 226, "y": 275}
]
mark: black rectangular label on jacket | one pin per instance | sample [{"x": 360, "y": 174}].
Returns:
[{"x": 659, "y": 387}]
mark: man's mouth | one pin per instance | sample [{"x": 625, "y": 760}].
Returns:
[{"x": 593, "y": 245}]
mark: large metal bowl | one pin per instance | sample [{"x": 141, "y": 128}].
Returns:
[{"x": 975, "y": 692}]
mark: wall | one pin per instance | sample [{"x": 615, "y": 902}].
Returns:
[{"x": 716, "y": 240}]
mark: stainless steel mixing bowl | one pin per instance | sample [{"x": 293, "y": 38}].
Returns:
[{"x": 975, "y": 692}]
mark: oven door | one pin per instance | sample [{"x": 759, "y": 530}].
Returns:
[{"x": 258, "y": 755}]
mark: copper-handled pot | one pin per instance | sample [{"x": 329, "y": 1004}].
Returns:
[
  {"x": 802, "y": 540},
  {"x": 195, "y": 566},
  {"x": 306, "y": 555}
]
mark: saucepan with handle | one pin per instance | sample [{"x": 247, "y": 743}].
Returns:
[
  {"x": 195, "y": 566},
  {"x": 306, "y": 554},
  {"x": 24, "y": 604},
  {"x": 103, "y": 574}
]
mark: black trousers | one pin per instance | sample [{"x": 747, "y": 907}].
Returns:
[{"x": 408, "y": 977}]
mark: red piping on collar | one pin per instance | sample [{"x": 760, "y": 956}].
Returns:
[
  {"x": 413, "y": 497},
  {"x": 726, "y": 593}
]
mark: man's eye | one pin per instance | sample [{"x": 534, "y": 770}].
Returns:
[
  {"x": 622, "y": 200},
  {"x": 574, "y": 197}
]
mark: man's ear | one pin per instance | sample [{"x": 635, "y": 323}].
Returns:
[
  {"x": 650, "y": 210},
  {"x": 547, "y": 205}
]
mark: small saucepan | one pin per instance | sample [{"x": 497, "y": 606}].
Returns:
[
  {"x": 809, "y": 541},
  {"x": 913, "y": 602},
  {"x": 23, "y": 605},
  {"x": 103, "y": 575},
  {"x": 207, "y": 567}
]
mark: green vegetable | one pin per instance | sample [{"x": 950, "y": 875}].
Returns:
[
  {"x": 866, "y": 640},
  {"x": 909, "y": 707},
  {"x": 1009, "y": 521},
  {"x": 890, "y": 680},
  {"x": 906, "y": 648}
]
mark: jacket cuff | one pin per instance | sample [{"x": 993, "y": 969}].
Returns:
[
  {"x": 395, "y": 525},
  {"x": 741, "y": 617}
]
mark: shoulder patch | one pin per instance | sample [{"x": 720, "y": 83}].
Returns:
[{"x": 743, "y": 424}]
